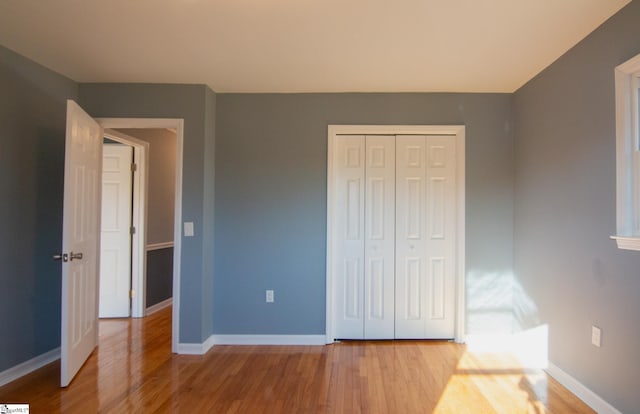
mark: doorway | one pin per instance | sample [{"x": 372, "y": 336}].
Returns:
[
  {"x": 113, "y": 126},
  {"x": 392, "y": 272},
  {"x": 125, "y": 288}
]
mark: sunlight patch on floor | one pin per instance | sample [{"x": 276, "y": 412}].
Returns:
[{"x": 488, "y": 382}]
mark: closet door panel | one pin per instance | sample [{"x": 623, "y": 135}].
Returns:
[
  {"x": 411, "y": 306},
  {"x": 379, "y": 244},
  {"x": 349, "y": 264},
  {"x": 441, "y": 232}
]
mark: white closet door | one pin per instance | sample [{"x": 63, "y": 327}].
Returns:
[
  {"x": 379, "y": 244},
  {"x": 425, "y": 237},
  {"x": 349, "y": 167},
  {"x": 411, "y": 243},
  {"x": 441, "y": 232},
  {"x": 395, "y": 227}
]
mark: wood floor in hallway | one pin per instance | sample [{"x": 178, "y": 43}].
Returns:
[{"x": 134, "y": 371}]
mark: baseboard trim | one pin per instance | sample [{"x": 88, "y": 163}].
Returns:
[
  {"x": 158, "y": 306},
  {"x": 592, "y": 399},
  {"x": 269, "y": 339},
  {"x": 29, "y": 366},
  {"x": 195, "y": 348}
]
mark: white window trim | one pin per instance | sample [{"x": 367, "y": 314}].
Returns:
[{"x": 627, "y": 155}]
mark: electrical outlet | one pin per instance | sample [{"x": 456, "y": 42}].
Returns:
[
  {"x": 269, "y": 296},
  {"x": 596, "y": 336}
]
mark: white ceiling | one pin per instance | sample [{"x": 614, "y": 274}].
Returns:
[{"x": 302, "y": 45}]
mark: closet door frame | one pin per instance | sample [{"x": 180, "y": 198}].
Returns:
[{"x": 456, "y": 132}]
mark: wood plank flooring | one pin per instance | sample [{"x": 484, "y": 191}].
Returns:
[{"x": 133, "y": 370}]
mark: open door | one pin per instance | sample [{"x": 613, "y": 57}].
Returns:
[{"x": 80, "y": 240}]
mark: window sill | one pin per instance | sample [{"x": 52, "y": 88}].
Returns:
[{"x": 627, "y": 243}]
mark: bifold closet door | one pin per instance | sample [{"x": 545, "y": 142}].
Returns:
[
  {"x": 425, "y": 237},
  {"x": 394, "y": 262},
  {"x": 379, "y": 244},
  {"x": 349, "y": 166},
  {"x": 365, "y": 217}
]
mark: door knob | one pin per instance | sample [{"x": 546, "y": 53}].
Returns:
[
  {"x": 64, "y": 257},
  {"x": 73, "y": 255}
]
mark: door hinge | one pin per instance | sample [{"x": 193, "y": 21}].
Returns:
[
  {"x": 132, "y": 230},
  {"x": 134, "y": 167},
  {"x": 132, "y": 293}
]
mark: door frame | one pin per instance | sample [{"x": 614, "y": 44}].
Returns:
[
  {"x": 178, "y": 125},
  {"x": 456, "y": 132},
  {"x": 138, "y": 219}
]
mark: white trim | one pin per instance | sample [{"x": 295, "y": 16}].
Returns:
[
  {"x": 178, "y": 124},
  {"x": 627, "y": 210},
  {"x": 627, "y": 243},
  {"x": 457, "y": 131},
  {"x": 158, "y": 306},
  {"x": 268, "y": 339},
  {"x": 461, "y": 220},
  {"x": 139, "y": 218},
  {"x": 592, "y": 399},
  {"x": 29, "y": 366},
  {"x": 158, "y": 246},
  {"x": 195, "y": 349}
]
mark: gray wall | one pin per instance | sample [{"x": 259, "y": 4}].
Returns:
[
  {"x": 271, "y": 165},
  {"x": 159, "y": 275},
  {"x": 162, "y": 178},
  {"x": 565, "y": 212},
  {"x": 189, "y": 102},
  {"x": 32, "y": 130}
]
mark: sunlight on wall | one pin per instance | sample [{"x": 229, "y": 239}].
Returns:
[
  {"x": 502, "y": 317},
  {"x": 489, "y": 302}
]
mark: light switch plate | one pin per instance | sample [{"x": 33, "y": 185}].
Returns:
[
  {"x": 188, "y": 229},
  {"x": 596, "y": 336}
]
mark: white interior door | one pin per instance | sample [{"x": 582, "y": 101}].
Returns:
[
  {"x": 379, "y": 244},
  {"x": 80, "y": 241},
  {"x": 115, "y": 245},
  {"x": 349, "y": 259},
  {"x": 401, "y": 226}
]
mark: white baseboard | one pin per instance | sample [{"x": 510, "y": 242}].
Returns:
[
  {"x": 196, "y": 349},
  {"x": 201, "y": 349},
  {"x": 29, "y": 366},
  {"x": 592, "y": 399},
  {"x": 158, "y": 306},
  {"x": 269, "y": 339}
]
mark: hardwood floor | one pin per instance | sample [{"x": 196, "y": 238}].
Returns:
[{"x": 133, "y": 370}]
